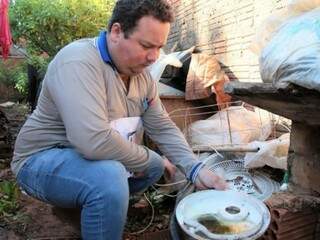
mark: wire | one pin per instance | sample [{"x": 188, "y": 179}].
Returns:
[
  {"x": 151, "y": 220},
  {"x": 285, "y": 126},
  {"x": 152, "y": 207},
  {"x": 216, "y": 151},
  {"x": 167, "y": 195},
  {"x": 200, "y": 107},
  {"x": 172, "y": 195},
  {"x": 169, "y": 184}
]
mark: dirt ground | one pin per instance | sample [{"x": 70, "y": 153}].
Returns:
[
  {"x": 45, "y": 222},
  {"x": 39, "y": 221}
]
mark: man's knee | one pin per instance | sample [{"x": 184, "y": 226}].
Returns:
[
  {"x": 109, "y": 181},
  {"x": 108, "y": 169}
]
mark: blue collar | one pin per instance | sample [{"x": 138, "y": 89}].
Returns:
[{"x": 103, "y": 49}]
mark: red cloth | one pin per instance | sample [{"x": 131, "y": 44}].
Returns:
[{"x": 5, "y": 35}]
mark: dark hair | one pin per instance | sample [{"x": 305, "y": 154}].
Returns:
[{"x": 129, "y": 12}]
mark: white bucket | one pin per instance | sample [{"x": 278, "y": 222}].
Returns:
[{"x": 222, "y": 215}]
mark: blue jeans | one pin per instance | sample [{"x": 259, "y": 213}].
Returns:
[{"x": 62, "y": 177}]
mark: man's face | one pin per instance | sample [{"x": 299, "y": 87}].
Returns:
[{"x": 141, "y": 47}]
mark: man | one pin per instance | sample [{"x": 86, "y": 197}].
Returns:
[{"x": 78, "y": 147}]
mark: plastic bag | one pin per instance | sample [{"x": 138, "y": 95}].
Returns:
[
  {"x": 205, "y": 77},
  {"x": 300, "y": 6},
  {"x": 270, "y": 25},
  {"x": 266, "y": 30},
  {"x": 173, "y": 59},
  {"x": 273, "y": 153},
  {"x": 293, "y": 54},
  {"x": 245, "y": 126}
]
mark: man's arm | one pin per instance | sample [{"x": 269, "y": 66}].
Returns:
[
  {"x": 160, "y": 128},
  {"x": 173, "y": 145}
]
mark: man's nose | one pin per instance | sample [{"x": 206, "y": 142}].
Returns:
[{"x": 153, "y": 55}]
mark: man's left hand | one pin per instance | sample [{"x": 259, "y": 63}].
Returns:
[{"x": 206, "y": 179}]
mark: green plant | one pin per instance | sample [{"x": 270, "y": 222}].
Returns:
[
  {"x": 10, "y": 213},
  {"x": 40, "y": 63},
  {"x": 14, "y": 75},
  {"x": 20, "y": 81},
  {"x": 43, "y": 27},
  {"x": 9, "y": 194},
  {"x": 5, "y": 73},
  {"x": 48, "y": 25}
]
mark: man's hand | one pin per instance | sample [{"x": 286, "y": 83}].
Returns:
[
  {"x": 206, "y": 179},
  {"x": 169, "y": 168}
]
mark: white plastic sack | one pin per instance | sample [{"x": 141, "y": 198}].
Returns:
[
  {"x": 273, "y": 153},
  {"x": 266, "y": 30},
  {"x": 293, "y": 54},
  {"x": 173, "y": 59},
  {"x": 300, "y": 6},
  {"x": 271, "y": 24},
  {"x": 245, "y": 126}
]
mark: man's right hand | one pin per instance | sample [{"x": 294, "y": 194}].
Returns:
[{"x": 206, "y": 179}]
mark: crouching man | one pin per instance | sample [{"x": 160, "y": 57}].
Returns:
[{"x": 79, "y": 147}]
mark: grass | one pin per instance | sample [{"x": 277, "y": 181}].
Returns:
[
  {"x": 9, "y": 194},
  {"x": 9, "y": 205}
]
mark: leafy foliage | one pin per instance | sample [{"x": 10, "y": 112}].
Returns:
[
  {"x": 9, "y": 205},
  {"x": 40, "y": 63},
  {"x": 43, "y": 27},
  {"x": 9, "y": 196},
  {"x": 48, "y": 25},
  {"x": 15, "y": 76}
]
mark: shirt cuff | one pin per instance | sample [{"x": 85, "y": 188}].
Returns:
[{"x": 195, "y": 171}]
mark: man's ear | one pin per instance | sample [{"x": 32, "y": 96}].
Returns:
[{"x": 115, "y": 32}]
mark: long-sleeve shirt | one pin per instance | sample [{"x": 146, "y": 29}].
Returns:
[{"x": 80, "y": 96}]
